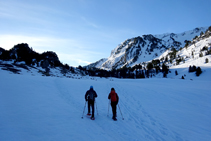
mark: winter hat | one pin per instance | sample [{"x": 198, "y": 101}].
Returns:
[
  {"x": 91, "y": 87},
  {"x": 112, "y": 89}
]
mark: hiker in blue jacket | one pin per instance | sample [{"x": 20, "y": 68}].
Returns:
[{"x": 90, "y": 97}]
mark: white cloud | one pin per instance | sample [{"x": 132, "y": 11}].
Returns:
[
  {"x": 92, "y": 24},
  {"x": 73, "y": 59},
  {"x": 8, "y": 41}
]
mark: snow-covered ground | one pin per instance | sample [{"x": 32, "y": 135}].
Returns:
[{"x": 38, "y": 108}]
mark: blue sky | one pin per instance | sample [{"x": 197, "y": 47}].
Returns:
[{"x": 84, "y": 31}]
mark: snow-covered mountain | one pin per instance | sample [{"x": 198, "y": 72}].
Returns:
[{"x": 142, "y": 49}]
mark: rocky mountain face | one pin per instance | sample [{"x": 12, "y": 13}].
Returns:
[
  {"x": 145, "y": 48},
  {"x": 22, "y": 52}
]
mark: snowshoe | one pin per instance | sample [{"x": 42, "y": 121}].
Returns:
[
  {"x": 88, "y": 114},
  {"x": 114, "y": 118},
  {"x": 92, "y": 118}
]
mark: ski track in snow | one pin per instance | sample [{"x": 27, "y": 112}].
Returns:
[
  {"x": 40, "y": 108},
  {"x": 143, "y": 121}
]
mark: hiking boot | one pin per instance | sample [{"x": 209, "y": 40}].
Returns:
[{"x": 114, "y": 118}]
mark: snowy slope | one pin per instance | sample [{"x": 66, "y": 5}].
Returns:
[
  {"x": 181, "y": 37},
  {"x": 23, "y": 69},
  {"x": 98, "y": 63},
  {"x": 191, "y": 56},
  {"x": 50, "y": 108}
]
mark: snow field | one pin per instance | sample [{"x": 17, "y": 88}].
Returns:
[{"x": 50, "y": 108}]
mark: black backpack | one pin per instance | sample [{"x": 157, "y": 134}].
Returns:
[{"x": 91, "y": 95}]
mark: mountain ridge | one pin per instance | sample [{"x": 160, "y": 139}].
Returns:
[{"x": 142, "y": 49}]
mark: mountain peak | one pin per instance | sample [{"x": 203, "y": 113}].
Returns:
[{"x": 145, "y": 48}]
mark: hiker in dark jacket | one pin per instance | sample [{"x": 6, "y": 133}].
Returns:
[
  {"x": 114, "y": 101},
  {"x": 90, "y": 97}
]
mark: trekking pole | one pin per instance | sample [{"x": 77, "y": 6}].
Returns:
[
  {"x": 108, "y": 107},
  {"x": 84, "y": 109},
  {"x": 96, "y": 107},
  {"x": 120, "y": 112}
]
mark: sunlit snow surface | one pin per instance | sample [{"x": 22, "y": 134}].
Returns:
[{"x": 38, "y": 108}]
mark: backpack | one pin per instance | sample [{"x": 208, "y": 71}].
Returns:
[
  {"x": 113, "y": 96},
  {"x": 91, "y": 95}
]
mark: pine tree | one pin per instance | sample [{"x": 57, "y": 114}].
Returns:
[
  {"x": 198, "y": 71},
  {"x": 209, "y": 28},
  {"x": 192, "y": 54},
  {"x": 201, "y": 33},
  {"x": 206, "y": 60},
  {"x": 176, "y": 73},
  {"x": 149, "y": 66},
  {"x": 201, "y": 54}
]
